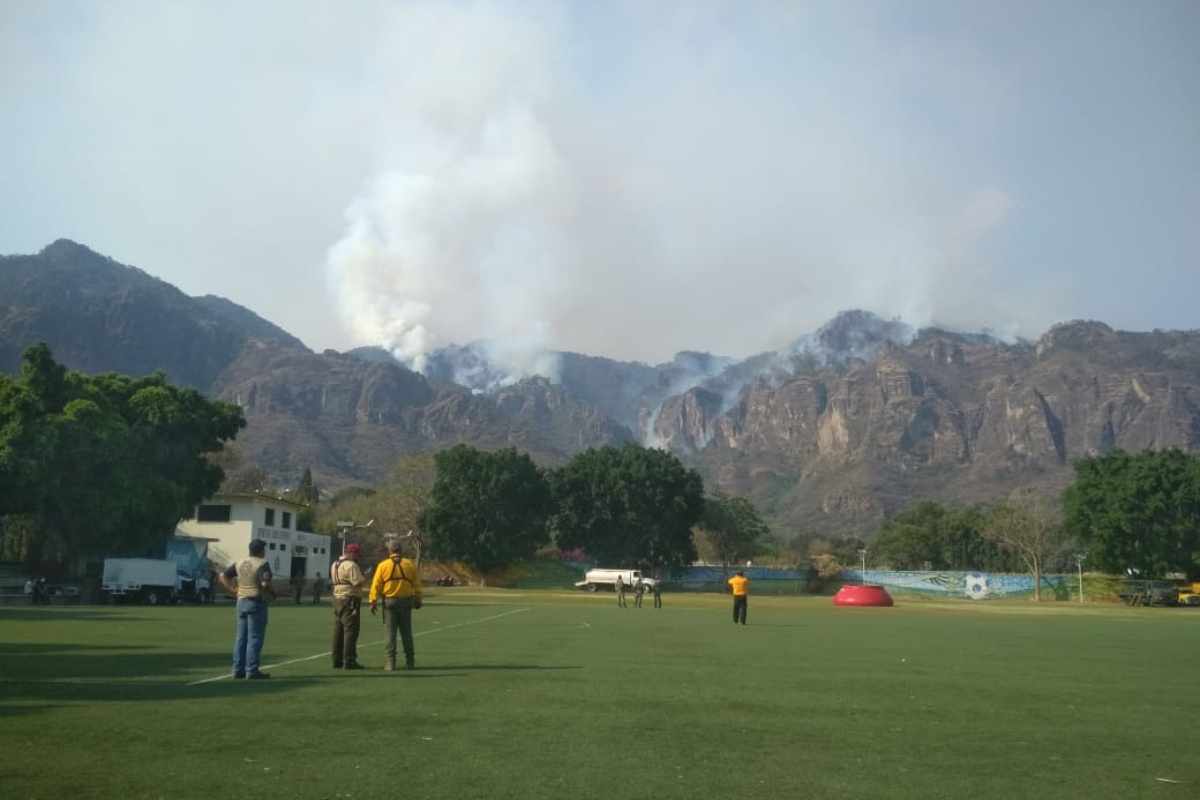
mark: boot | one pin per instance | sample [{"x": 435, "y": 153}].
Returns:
[
  {"x": 408, "y": 663},
  {"x": 390, "y": 666}
]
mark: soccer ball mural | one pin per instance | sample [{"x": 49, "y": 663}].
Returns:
[{"x": 976, "y": 586}]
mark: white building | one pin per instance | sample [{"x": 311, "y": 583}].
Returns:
[{"x": 230, "y": 521}]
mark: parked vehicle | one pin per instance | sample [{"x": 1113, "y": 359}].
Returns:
[
  {"x": 446, "y": 580},
  {"x": 1139, "y": 592},
  {"x": 596, "y": 579},
  {"x": 146, "y": 580},
  {"x": 1189, "y": 594}
]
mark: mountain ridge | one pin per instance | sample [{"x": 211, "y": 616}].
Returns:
[{"x": 833, "y": 433}]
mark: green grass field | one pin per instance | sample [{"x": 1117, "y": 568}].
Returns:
[{"x": 553, "y": 694}]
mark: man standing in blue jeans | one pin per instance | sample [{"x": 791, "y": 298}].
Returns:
[{"x": 250, "y": 581}]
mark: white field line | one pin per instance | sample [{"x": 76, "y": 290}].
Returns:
[{"x": 326, "y": 654}]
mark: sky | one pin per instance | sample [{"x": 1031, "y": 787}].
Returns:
[{"x": 625, "y": 178}]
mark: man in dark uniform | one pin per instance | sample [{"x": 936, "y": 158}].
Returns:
[{"x": 249, "y": 581}]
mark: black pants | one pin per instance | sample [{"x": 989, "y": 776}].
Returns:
[
  {"x": 397, "y": 616},
  {"x": 347, "y": 621},
  {"x": 739, "y": 609}
]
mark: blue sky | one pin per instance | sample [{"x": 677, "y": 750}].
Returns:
[{"x": 626, "y": 179}]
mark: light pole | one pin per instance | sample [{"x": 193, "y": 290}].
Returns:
[
  {"x": 863, "y": 553},
  {"x": 344, "y": 527},
  {"x": 416, "y": 540},
  {"x": 1079, "y": 563}
]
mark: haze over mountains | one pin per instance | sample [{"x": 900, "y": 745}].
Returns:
[{"x": 849, "y": 424}]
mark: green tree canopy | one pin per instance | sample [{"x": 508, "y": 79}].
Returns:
[
  {"x": 732, "y": 528},
  {"x": 628, "y": 507},
  {"x": 107, "y": 463},
  {"x": 486, "y": 509},
  {"x": 928, "y": 535},
  {"x": 1139, "y": 512}
]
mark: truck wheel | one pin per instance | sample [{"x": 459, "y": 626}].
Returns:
[
  {"x": 591, "y": 587},
  {"x": 203, "y": 597},
  {"x": 152, "y": 597}
]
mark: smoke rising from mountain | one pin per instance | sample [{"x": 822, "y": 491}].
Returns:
[
  {"x": 626, "y": 179},
  {"x": 688, "y": 211}
]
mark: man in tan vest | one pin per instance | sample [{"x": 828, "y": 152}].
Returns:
[
  {"x": 349, "y": 584},
  {"x": 249, "y": 580}
]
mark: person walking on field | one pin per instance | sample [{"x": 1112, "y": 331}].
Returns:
[
  {"x": 318, "y": 585},
  {"x": 298, "y": 587},
  {"x": 738, "y": 584},
  {"x": 349, "y": 585},
  {"x": 250, "y": 582},
  {"x": 397, "y": 585},
  {"x": 639, "y": 591},
  {"x": 620, "y": 592},
  {"x": 656, "y": 590}
]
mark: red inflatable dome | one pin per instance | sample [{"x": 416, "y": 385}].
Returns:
[{"x": 865, "y": 595}]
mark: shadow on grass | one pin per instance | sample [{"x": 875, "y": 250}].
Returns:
[
  {"x": 34, "y": 696},
  {"x": 61, "y": 613},
  {"x": 29, "y": 663}
]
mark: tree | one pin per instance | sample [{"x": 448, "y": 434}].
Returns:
[
  {"x": 106, "y": 463},
  {"x": 1138, "y": 512},
  {"x": 732, "y": 527},
  {"x": 629, "y": 507},
  {"x": 927, "y": 535},
  {"x": 1028, "y": 526},
  {"x": 910, "y": 540},
  {"x": 486, "y": 509},
  {"x": 308, "y": 494}
]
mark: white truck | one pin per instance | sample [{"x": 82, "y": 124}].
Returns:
[
  {"x": 596, "y": 579},
  {"x": 147, "y": 580}
]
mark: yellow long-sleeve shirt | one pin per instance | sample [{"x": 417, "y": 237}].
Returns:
[{"x": 395, "y": 578}]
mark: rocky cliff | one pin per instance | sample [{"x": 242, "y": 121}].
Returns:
[{"x": 850, "y": 424}]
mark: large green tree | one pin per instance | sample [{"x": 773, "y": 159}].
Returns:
[
  {"x": 732, "y": 528},
  {"x": 630, "y": 506},
  {"x": 1139, "y": 512},
  {"x": 926, "y": 535},
  {"x": 106, "y": 463},
  {"x": 486, "y": 509}
]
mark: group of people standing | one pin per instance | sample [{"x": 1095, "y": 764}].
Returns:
[
  {"x": 36, "y": 591},
  {"x": 739, "y": 585},
  {"x": 318, "y": 585},
  {"x": 639, "y": 591},
  {"x": 395, "y": 584}
]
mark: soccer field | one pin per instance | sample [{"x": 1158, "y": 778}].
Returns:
[{"x": 553, "y": 694}]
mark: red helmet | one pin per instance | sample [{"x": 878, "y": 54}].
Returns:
[{"x": 353, "y": 550}]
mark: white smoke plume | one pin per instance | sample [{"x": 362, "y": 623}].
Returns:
[
  {"x": 648, "y": 178},
  {"x": 464, "y": 230}
]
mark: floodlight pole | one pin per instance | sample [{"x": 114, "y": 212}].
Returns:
[
  {"x": 1079, "y": 563},
  {"x": 863, "y": 553}
]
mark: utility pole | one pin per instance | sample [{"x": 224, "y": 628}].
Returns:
[
  {"x": 1079, "y": 559},
  {"x": 863, "y": 553}
]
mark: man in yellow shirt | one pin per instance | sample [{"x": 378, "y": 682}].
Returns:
[
  {"x": 739, "y": 583},
  {"x": 397, "y": 584}
]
